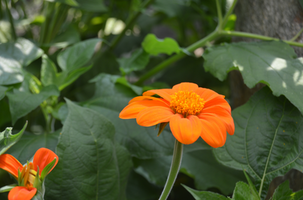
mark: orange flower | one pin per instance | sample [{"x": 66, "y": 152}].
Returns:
[
  {"x": 28, "y": 172},
  {"x": 190, "y": 110}
]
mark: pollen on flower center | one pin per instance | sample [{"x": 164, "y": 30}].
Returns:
[{"x": 186, "y": 103}]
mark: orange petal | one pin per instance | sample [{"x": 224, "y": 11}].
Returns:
[
  {"x": 140, "y": 98},
  {"x": 133, "y": 109},
  {"x": 207, "y": 94},
  {"x": 186, "y": 130},
  {"x": 213, "y": 132},
  {"x": 43, "y": 157},
  {"x": 164, "y": 93},
  {"x": 223, "y": 115},
  {"x": 21, "y": 193},
  {"x": 10, "y": 164},
  {"x": 154, "y": 115},
  {"x": 218, "y": 101},
  {"x": 185, "y": 87}
]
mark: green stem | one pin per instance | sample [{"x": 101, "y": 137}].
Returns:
[
  {"x": 219, "y": 14},
  {"x": 11, "y": 20},
  {"x": 130, "y": 22},
  {"x": 174, "y": 169},
  {"x": 256, "y": 36},
  {"x": 214, "y": 35},
  {"x": 230, "y": 10},
  {"x": 296, "y": 36}
]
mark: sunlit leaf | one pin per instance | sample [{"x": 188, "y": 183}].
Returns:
[
  {"x": 14, "y": 56},
  {"x": 21, "y": 103},
  {"x": 152, "y": 45},
  {"x": 203, "y": 195},
  {"x": 273, "y": 63},
  {"x": 268, "y": 139},
  {"x": 87, "y": 143},
  {"x": 7, "y": 139}
]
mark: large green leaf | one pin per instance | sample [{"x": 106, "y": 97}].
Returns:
[
  {"x": 91, "y": 165},
  {"x": 21, "y": 103},
  {"x": 14, "y": 56},
  {"x": 273, "y": 63},
  {"x": 142, "y": 142},
  {"x": 200, "y": 165},
  {"x": 7, "y": 139},
  {"x": 78, "y": 55},
  {"x": 25, "y": 149},
  {"x": 152, "y": 45},
  {"x": 268, "y": 139}
]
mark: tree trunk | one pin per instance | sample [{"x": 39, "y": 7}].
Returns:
[{"x": 275, "y": 18}]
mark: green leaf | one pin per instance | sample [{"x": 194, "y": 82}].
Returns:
[
  {"x": 14, "y": 56},
  {"x": 252, "y": 188},
  {"x": 70, "y": 36},
  {"x": 198, "y": 164},
  {"x": 138, "y": 188},
  {"x": 78, "y": 55},
  {"x": 137, "y": 61},
  {"x": 272, "y": 63},
  {"x": 243, "y": 192},
  {"x": 268, "y": 139},
  {"x": 21, "y": 103},
  {"x": 283, "y": 192},
  {"x": 301, "y": 3},
  {"x": 202, "y": 195},
  {"x": 92, "y": 165},
  {"x": 68, "y": 2},
  {"x": 30, "y": 143},
  {"x": 109, "y": 99},
  {"x": 2, "y": 92},
  {"x": 7, "y": 188},
  {"x": 152, "y": 45},
  {"x": 50, "y": 75},
  {"x": 7, "y": 139}
]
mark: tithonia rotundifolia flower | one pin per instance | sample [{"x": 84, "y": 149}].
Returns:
[
  {"x": 31, "y": 175},
  {"x": 191, "y": 112}
]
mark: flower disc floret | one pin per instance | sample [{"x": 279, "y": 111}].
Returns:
[{"x": 186, "y": 103}]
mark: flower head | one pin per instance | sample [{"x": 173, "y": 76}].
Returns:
[
  {"x": 28, "y": 175},
  {"x": 191, "y": 111}
]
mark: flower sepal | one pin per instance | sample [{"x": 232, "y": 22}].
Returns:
[{"x": 47, "y": 169}]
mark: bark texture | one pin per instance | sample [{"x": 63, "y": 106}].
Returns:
[{"x": 275, "y": 18}]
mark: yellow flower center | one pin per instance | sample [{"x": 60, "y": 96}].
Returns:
[
  {"x": 186, "y": 103},
  {"x": 28, "y": 175}
]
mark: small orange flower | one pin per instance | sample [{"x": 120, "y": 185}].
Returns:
[
  {"x": 28, "y": 172},
  {"x": 190, "y": 110}
]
